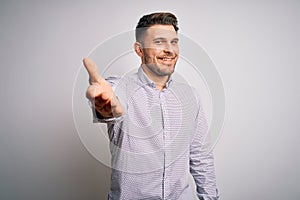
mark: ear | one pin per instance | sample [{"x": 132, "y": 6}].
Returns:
[{"x": 138, "y": 49}]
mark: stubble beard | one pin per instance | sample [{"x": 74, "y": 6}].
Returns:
[{"x": 160, "y": 69}]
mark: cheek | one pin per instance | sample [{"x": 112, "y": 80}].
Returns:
[
  {"x": 176, "y": 50},
  {"x": 152, "y": 53}
]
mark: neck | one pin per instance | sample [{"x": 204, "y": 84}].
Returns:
[{"x": 160, "y": 81}]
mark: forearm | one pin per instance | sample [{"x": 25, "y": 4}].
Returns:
[
  {"x": 203, "y": 171},
  {"x": 202, "y": 160}
]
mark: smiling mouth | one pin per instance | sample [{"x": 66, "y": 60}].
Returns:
[{"x": 166, "y": 58}]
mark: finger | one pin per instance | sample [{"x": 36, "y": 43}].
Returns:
[
  {"x": 106, "y": 96},
  {"x": 104, "y": 108},
  {"x": 92, "y": 69},
  {"x": 104, "y": 112},
  {"x": 115, "y": 101},
  {"x": 92, "y": 92},
  {"x": 101, "y": 103},
  {"x": 116, "y": 106}
]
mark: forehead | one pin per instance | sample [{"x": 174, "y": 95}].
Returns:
[{"x": 162, "y": 31}]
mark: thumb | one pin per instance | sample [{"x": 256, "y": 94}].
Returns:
[{"x": 92, "y": 69}]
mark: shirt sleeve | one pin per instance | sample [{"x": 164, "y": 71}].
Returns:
[{"x": 202, "y": 160}]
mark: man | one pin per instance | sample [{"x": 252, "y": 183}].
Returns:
[{"x": 156, "y": 125}]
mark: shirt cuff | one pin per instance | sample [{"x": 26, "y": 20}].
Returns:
[
  {"x": 108, "y": 120},
  {"x": 98, "y": 118},
  {"x": 208, "y": 197}
]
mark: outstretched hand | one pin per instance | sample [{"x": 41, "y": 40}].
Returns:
[{"x": 100, "y": 92}]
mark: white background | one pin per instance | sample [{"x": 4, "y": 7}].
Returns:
[{"x": 255, "y": 46}]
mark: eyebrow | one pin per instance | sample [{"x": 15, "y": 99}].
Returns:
[{"x": 161, "y": 38}]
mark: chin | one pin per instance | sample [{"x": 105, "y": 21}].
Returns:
[{"x": 167, "y": 71}]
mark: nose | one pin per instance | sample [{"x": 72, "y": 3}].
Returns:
[{"x": 168, "y": 48}]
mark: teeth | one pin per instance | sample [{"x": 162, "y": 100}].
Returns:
[{"x": 167, "y": 59}]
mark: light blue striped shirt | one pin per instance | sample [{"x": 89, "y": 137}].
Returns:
[{"x": 158, "y": 142}]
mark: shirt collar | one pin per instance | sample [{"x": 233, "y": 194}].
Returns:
[{"x": 146, "y": 80}]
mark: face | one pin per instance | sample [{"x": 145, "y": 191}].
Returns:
[{"x": 159, "y": 50}]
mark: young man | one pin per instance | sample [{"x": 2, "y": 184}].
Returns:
[{"x": 156, "y": 125}]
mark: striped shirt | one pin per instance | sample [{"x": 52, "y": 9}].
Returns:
[{"x": 158, "y": 142}]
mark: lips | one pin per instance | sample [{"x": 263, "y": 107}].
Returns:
[{"x": 167, "y": 60}]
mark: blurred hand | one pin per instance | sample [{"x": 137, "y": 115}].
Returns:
[{"x": 100, "y": 93}]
